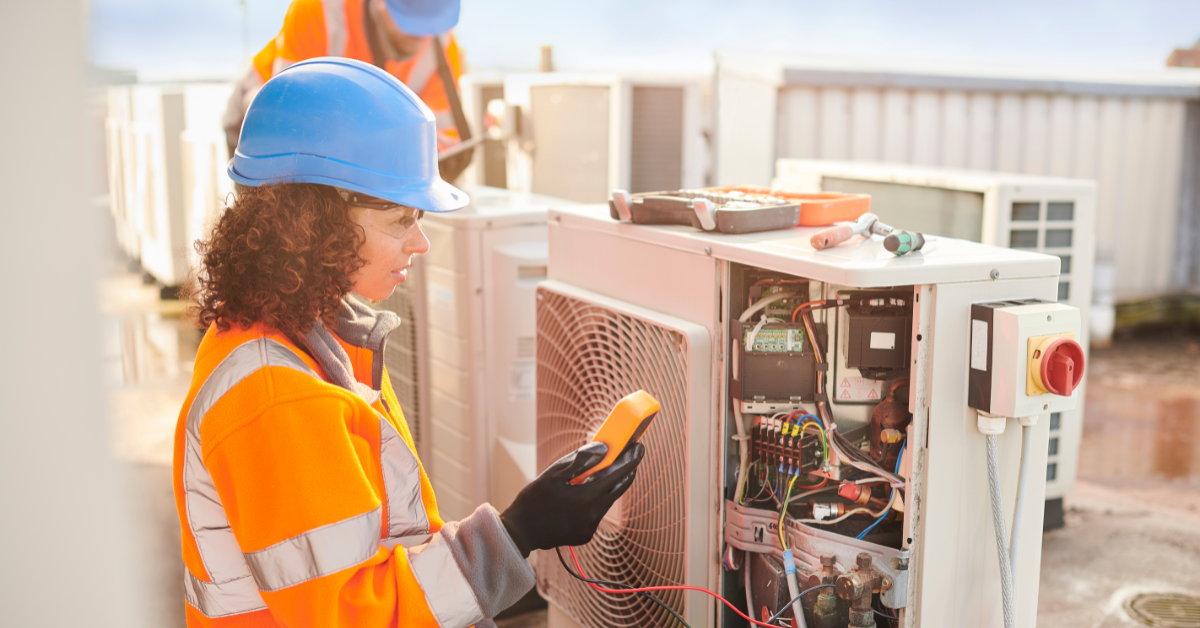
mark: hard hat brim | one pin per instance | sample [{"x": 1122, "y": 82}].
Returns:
[{"x": 436, "y": 196}]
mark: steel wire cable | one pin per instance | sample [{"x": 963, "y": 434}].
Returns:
[{"x": 997, "y": 503}]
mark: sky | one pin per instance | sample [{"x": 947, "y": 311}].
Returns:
[{"x": 189, "y": 39}]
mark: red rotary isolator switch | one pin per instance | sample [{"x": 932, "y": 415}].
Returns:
[{"x": 1056, "y": 365}]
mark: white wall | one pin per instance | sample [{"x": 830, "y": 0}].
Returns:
[{"x": 62, "y": 539}]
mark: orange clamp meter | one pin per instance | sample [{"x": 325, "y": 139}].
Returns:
[{"x": 626, "y": 423}]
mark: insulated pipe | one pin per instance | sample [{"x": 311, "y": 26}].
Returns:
[
  {"x": 778, "y": 296},
  {"x": 1019, "y": 510},
  {"x": 743, "y": 452},
  {"x": 789, "y": 567},
  {"x": 749, "y": 593},
  {"x": 997, "y": 503}
]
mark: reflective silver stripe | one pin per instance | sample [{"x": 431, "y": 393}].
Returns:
[
  {"x": 406, "y": 541},
  {"x": 444, "y": 119},
  {"x": 423, "y": 68},
  {"x": 402, "y": 483},
  {"x": 219, "y": 550},
  {"x": 335, "y": 27},
  {"x": 450, "y": 598},
  {"x": 241, "y": 363},
  {"x": 316, "y": 553},
  {"x": 280, "y": 64},
  {"x": 220, "y": 600}
]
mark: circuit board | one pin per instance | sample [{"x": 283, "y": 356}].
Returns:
[{"x": 775, "y": 339}]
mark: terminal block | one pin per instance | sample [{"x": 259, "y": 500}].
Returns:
[{"x": 785, "y": 446}]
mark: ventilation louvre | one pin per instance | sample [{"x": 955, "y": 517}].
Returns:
[
  {"x": 656, "y": 148},
  {"x": 401, "y": 357},
  {"x": 589, "y": 356}
]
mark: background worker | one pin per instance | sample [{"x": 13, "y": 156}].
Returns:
[
  {"x": 398, "y": 36},
  {"x": 300, "y": 495}
]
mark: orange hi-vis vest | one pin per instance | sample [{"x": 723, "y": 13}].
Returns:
[
  {"x": 301, "y": 498},
  {"x": 337, "y": 28}
]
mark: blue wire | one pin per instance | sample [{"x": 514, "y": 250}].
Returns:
[{"x": 899, "y": 459}]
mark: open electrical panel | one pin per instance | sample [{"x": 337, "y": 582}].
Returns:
[{"x": 819, "y": 383}]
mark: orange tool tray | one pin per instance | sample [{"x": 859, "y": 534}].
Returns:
[{"x": 822, "y": 208}]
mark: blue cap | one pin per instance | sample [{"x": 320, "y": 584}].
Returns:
[
  {"x": 789, "y": 562},
  {"x": 347, "y": 124},
  {"x": 424, "y": 17}
]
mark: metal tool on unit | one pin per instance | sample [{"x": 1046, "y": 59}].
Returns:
[{"x": 896, "y": 241}]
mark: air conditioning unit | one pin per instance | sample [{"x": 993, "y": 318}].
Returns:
[
  {"x": 1045, "y": 214},
  {"x": 407, "y": 355},
  {"x": 168, "y": 160},
  {"x": 119, "y": 157},
  {"x": 158, "y": 122},
  {"x": 672, "y": 310},
  {"x": 204, "y": 159},
  {"x": 577, "y": 136},
  {"x": 462, "y": 361},
  {"x": 488, "y": 166}
]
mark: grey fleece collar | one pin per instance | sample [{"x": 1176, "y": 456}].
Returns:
[{"x": 358, "y": 325}]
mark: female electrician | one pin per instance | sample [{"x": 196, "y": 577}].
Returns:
[{"x": 300, "y": 495}]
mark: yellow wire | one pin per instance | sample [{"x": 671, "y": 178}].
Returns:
[
  {"x": 812, "y": 339},
  {"x": 783, "y": 512}
]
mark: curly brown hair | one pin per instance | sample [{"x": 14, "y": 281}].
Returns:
[{"x": 281, "y": 255}]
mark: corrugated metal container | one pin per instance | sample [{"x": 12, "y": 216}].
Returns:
[{"x": 1127, "y": 132}]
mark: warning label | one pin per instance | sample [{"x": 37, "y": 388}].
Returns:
[{"x": 858, "y": 389}]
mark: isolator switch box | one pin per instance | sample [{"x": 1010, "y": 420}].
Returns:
[{"x": 1024, "y": 360}]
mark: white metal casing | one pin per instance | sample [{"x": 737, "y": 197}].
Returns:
[
  {"x": 680, "y": 272},
  {"x": 488, "y": 165},
  {"x": 581, "y": 135},
  {"x": 167, "y": 160},
  {"x": 1006, "y": 357},
  {"x": 203, "y": 161},
  {"x": 158, "y": 120},
  {"x": 987, "y": 206},
  {"x": 479, "y": 278},
  {"x": 120, "y": 157}
]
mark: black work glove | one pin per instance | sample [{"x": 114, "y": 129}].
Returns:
[{"x": 550, "y": 512}]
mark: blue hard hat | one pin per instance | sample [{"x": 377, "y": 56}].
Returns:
[
  {"x": 348, "y": 124},
  {"x": 424, "y": 17}
]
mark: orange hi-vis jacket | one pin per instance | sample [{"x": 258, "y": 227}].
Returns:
[
  {"x": 301, "y": 498},
  {"x": 338, "y": 28}
]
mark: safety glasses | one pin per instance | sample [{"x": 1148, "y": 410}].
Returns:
[{"x": 397, "y": 222}]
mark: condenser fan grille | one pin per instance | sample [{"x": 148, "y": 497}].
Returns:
[
  {"x": 588, "y": 358},
  {"x": 401, "y": 355}
]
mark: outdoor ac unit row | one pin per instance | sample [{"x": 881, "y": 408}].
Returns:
[
  {"x": 204, "y": 160},
  {"x": 577, "y": 136},
  {"x": 166, "y": 171},
  {"x": 488, "y": 165},
  {"x": 462, "y": 361},
  {"x": 119, "y": 157},
  {"x": 1046, "y": 214},
  {"x": 668, "y": 309}
]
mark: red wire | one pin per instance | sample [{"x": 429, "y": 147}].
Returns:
[
  {"x": 601, "y": 589},
  {"x": 809, "y": 488},
  {"x": 802, "y": 306}
]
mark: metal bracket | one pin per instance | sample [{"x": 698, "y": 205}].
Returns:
[
  {"x": 756, "y": 530},
  {"x": 621, "y": 201},
  {"x": 706, "y": 212}
]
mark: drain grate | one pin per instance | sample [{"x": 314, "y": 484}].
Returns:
[{"x": 1165, "y": 610}]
